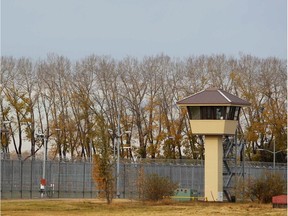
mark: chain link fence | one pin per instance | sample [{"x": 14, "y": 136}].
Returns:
[{"x": 21, "y": 179}]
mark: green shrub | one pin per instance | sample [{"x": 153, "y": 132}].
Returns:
[
  {"x": 156, "y": 187},
  {"x": 265, "y": 187}
]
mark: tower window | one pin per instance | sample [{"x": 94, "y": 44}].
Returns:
[{"x": 214, "y": 112}]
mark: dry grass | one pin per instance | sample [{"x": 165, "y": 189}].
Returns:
[{"x": 89, "y": 207}]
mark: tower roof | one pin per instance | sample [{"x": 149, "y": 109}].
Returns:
[{"x": 212, "y": 96}]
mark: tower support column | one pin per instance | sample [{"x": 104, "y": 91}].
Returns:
[{"x": 213, "y": 168}]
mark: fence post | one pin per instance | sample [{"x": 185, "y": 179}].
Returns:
[
  {"x": 59, "y": 179},
  {"x": 12, "y": 179},
  {"x": 124, "y": 180},
  {"x": 31, "y": 177},
  {"x": 84, "y": 173},
  {"x": 91, "y": 178},
  {"x": 21, "y": 178}
]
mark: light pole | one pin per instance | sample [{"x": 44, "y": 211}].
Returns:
[
  {"x": 272, "y": 152},
  {"x": 118, "y": 136},
  {"x": 43, "y": 180},
  {"x": 118, "y": 159}
]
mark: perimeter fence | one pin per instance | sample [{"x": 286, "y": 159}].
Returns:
[{"x": 21, "y": 179}]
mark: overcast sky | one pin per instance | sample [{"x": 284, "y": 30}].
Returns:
[{"x": 120, "y": 28}]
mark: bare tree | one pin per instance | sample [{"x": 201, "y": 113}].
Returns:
[
  {"x": 134, "y": 90},
  {"x": 257, "y": 81},
  {"x": 64, "y": 99}
]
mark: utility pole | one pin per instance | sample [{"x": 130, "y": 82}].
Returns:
[
  {"x": 43, "y": 180},
  {"x": 118, "y": 159}
]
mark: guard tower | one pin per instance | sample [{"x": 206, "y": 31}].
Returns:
[{"x": 213, "y": 112}]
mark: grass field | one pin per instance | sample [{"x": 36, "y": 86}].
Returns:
[{"x": 120, "y": 207}]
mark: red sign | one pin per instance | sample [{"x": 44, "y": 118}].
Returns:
[{"x": 43, "y": 182}]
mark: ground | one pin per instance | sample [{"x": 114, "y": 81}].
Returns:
[{"x": 87, "y": 207}]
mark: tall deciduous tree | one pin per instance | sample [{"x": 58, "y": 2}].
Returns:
[
  {"x": 61, "y": 99},
  {"x": 258, "y": 81},
  {"x": 134, "y": 90}
]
